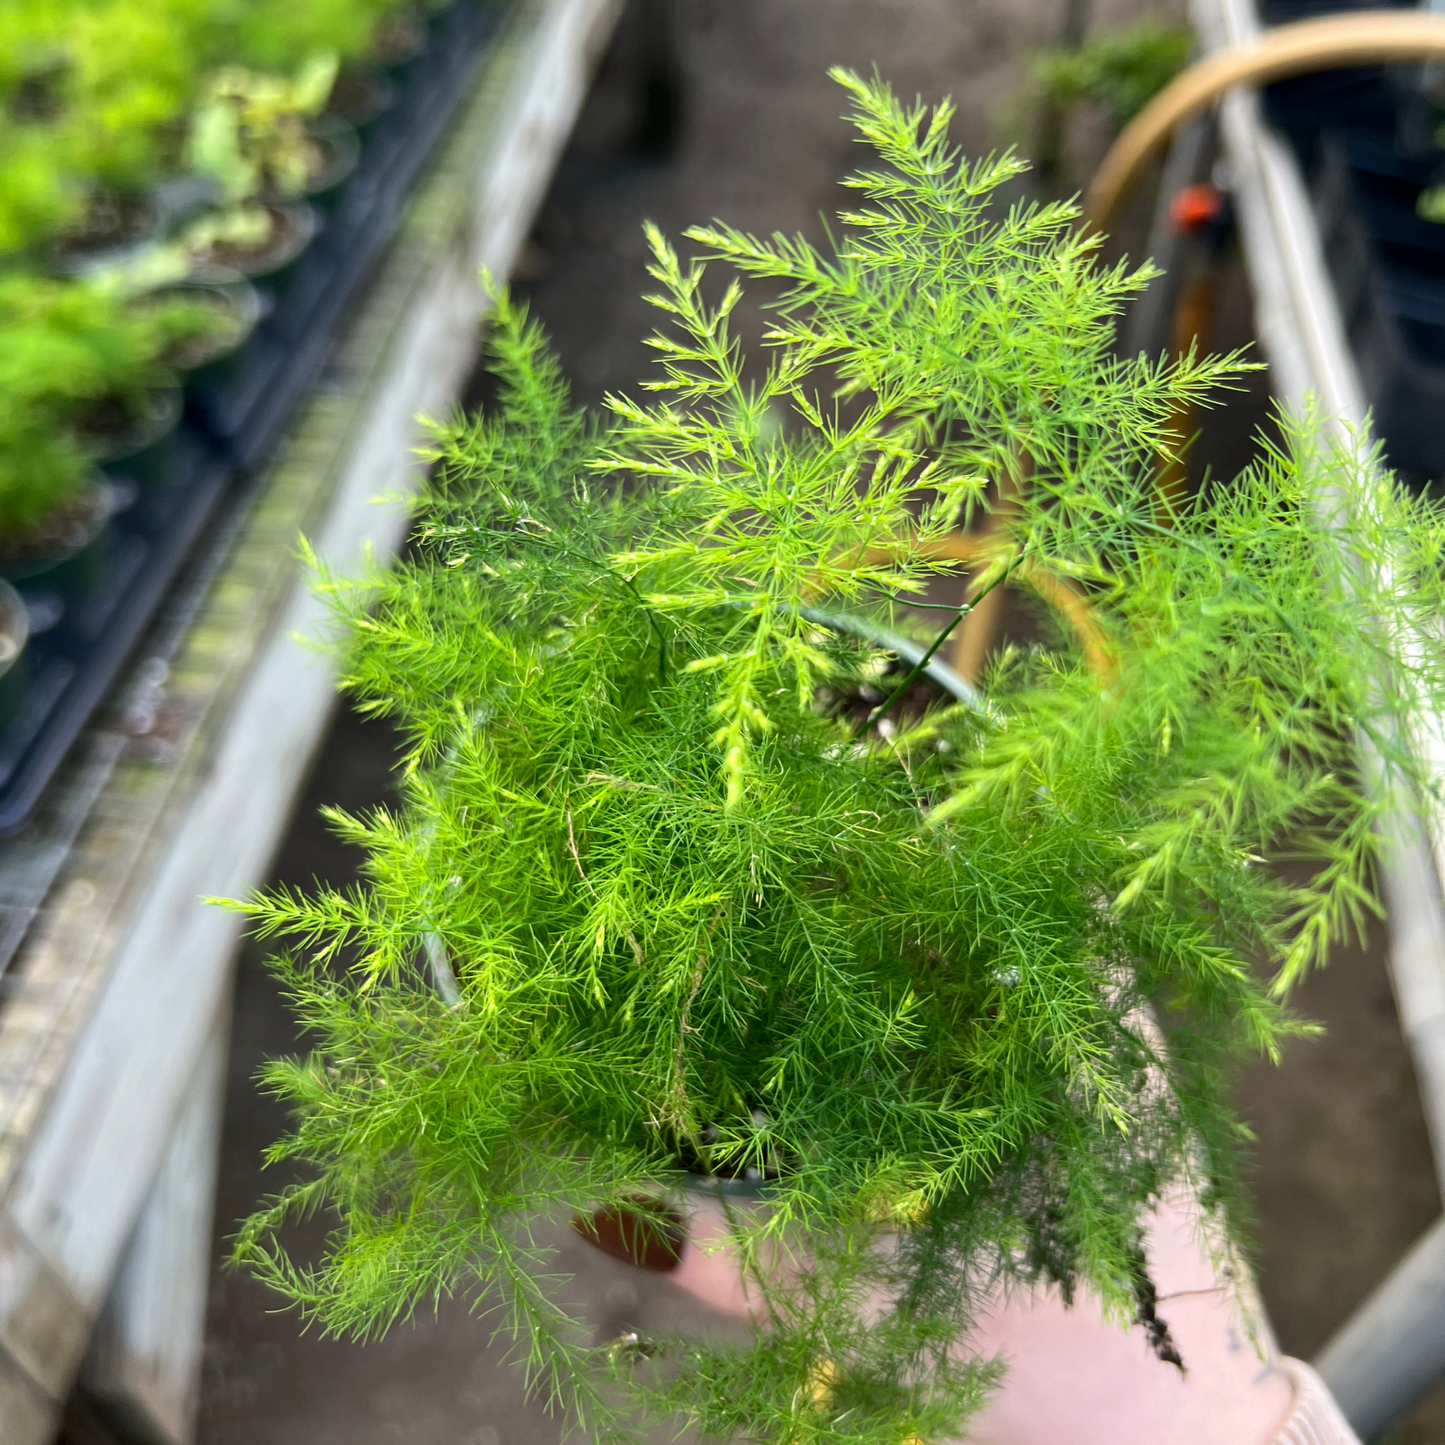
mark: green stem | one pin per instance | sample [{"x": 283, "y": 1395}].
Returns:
[{"x": 938, "y": 642}]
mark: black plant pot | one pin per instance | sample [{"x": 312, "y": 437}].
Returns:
[
  {"x": 1388, "y": 268},
  {"x": 138, "y": 223},
  {"x": 279, "y": 271},
  {"x": 239, "y": 305},
  {"x": 440, "y": 18},
  {"x": 141, "y": 461},
  {"x": 71, "y": 566},
  {"x": 295, "y": 226},
  {"x": 364, "y": 99},
  {"x": 341, "y": 147},
  {"x": 406, "y": 49}
]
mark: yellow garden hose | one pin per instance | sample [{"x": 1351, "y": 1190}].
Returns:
[{"x": 1361, "y": 38}]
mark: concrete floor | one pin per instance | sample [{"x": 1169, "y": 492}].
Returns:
[{"x": 1344, "y": 1181}]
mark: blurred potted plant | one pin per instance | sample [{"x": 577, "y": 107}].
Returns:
[
  {"x": 1112, "y": 73},
  {"x": 257, "y": 134},
  {"x": 127, "y": 72},
  {"x": 80, "y": 384},
  {"x": 208, "y": 324},
  {"x": 1119, "y": 70}
]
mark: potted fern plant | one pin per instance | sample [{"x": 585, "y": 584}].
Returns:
[{"x": 654, "y": 904}]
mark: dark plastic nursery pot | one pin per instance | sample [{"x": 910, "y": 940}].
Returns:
[
  {"x": 67, "y": 552},
  {"x": 279, "y": 268},
  {"x": 363, "y": 99},
  {"x": 400, "y": 46},
  {"x": 439, "y": 15},
  {"x": 238, "y": 308},
  {"x": 14, "y": 635},
  {"x": 294, "y": 225},
  {"x": 337, "y": 143},
  {"x": 116, "y": 229},
  {"x": 137, "y": 452},
  {"x": 1388, "y": 269},
  {"x": 226, "y": 367}
]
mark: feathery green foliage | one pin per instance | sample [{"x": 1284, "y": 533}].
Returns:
[{"x": 650, "y": 899}]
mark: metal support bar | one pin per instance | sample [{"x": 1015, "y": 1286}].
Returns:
[
  {"x": 1150, "y": 321},
  {"x": 1392, "y": 1349}
]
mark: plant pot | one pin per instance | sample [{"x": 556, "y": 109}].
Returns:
[
  {"x": 399, "y": 46},
  {"x": 238, "y": 304},
  {"x": 643, "y": 1231},
  {"x": 279, "y": 267},
  {"x": 116, "y": 229},
  {"x": 66, "y": 552},
  {"x": 439, "y": 15},
  {"x": 363, "y": 99},
  {"x": 337, "y": 143},
  {"x": 14, "y": 661},
  {"x": 294, "y": 227},
  {"x": 137, "y": 452}
]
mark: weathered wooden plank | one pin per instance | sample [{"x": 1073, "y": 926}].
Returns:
[{"x": 143, "y": 1364}]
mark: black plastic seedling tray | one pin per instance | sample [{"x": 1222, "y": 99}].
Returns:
[
  {"x": 1388, "y": 266},
  {"x": 80, "y": 638},
  {"x": 80, "y": 642},
  {"x": 1353, "y": 133}
]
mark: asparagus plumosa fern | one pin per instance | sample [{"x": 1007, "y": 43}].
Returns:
[{"x": 680, "y": 910}]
